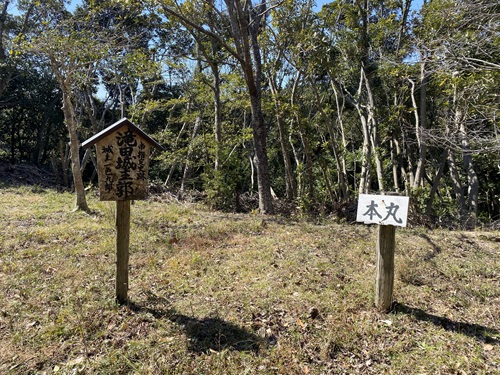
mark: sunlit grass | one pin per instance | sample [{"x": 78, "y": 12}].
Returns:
[{"x": 218, "y": 293}]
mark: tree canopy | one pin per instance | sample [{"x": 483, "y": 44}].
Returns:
[{"x": 274, "y": 99}]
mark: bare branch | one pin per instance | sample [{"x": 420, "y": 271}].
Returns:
[{"x": 187, "y": 22}]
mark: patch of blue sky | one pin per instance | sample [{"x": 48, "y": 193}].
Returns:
[{"x": 70, "y": 5}]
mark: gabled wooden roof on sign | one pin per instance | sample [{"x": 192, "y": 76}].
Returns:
[{"x": 116, "y": 126}]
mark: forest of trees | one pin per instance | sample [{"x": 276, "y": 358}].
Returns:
[{"x": 266, "y": 98}]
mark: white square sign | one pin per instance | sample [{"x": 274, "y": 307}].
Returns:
[{"x": 382, "y": 209}]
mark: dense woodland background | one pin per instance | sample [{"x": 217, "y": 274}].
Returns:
[{"x": 269, "y": 99}]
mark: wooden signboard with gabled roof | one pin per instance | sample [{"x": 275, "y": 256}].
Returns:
[{"x": 123, "y": 152}]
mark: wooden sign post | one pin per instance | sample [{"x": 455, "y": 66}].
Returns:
[
  {"x": 122, "y": 249},
  {"x": 388, "y": 211},
  {"x": 123, "y": 152}
]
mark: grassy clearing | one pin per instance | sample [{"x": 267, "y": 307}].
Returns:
[{"x": 216, "y": 293}]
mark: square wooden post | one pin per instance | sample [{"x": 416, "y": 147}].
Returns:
[
  {"x": 384, "y": 283},
  {"x": 122, "y": 250}
]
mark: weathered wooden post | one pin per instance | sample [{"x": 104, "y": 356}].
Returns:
[
  {"x": 122, "y": 249},
  {"x": 388, "y": 211},
  {"x": 384, "y": 281},
  {"x": 123, "y": 153}
]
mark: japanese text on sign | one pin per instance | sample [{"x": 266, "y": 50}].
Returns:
[
  {"x": 382, "y": 209},
  {"x": 124, "y": 158}
]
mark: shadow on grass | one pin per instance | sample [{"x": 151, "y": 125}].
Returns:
[
  {"x": 207, "y": 334},
  {"x": 479, "y": 332},
  {"x": 436, "y": 250}
]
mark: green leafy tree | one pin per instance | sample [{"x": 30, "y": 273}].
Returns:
[
  {"x": 244, "y": 22},
  {"x": 462, "y": 49},
  {"x": 73, "y": 49}
]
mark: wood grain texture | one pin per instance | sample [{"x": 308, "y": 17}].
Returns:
[
  {"x": 384, "y": 284},
  {"x": 122, "y": 250}
]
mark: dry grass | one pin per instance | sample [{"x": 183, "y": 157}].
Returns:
[{"x": 215, "y": 293}]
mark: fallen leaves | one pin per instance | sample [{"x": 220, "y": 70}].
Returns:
[
  {"x": 303, "y": 292},
  {"x": 76, "y": 361}
]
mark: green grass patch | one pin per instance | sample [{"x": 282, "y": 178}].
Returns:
[{"x": 218, "y": 293}]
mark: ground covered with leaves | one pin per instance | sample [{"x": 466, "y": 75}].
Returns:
[{"x": 217, "y": 293}]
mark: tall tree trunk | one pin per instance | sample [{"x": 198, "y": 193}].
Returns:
[
  {"x": 437, "y": 179},
  {"x": 472, "y": 183},
  {"x": 472, "y": 180},
  {"x": 364, "y": 185},
  {"x": 261, "y": 160},
  {"x": 245, "y": 24},
  {"x": 373, "y": 131},
  {"x": 340, "y": 109},
  {"x": 376, "y": 153},
  {"x": 252, "y": 68},
  {"x": 306, "y": 183},
  {"x": 420, "y": 124},
  {"x": 455, "y": 176},
  {"x": 291, "y": 186},
  {"x": 404, "y": 155},
  {"x": 40, "y": 133},
  {"x": 341, "y": 177},
  {"x": 394, "y": 163},
  {"x": 370, "y": 139},
  {"x": 217, "y": 112},
  {"x": 69, "y": 118},
  {"x": 457, "y": 185},
  {"x": 12, "y": 143},
  {"x": 179, "y": 135},
  {"x": 188, "y": 166},
  {"x": 245, "y": 21}
]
